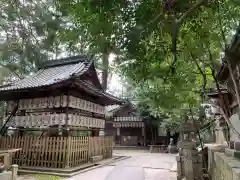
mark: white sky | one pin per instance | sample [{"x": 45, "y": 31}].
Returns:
[{"x": 115, "y": 85}]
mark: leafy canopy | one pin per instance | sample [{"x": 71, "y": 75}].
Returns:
[{"x": 164, "y": 49}]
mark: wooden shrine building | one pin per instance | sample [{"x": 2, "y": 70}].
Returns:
[
  {"x": 57, "y": 115},
  {"x": 125, "y": 125},
  {"x": 228, "y": 101}
]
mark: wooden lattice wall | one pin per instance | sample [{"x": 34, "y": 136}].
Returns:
[{"x": 56, "y": 152}]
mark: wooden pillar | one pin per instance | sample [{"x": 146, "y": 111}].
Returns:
[
  {"x": 6, "y": 160},
  {"x": 66, "y": 129},
  {"x": 144, "y": 135},
  {"x": 14, "y": 171},
  {"x": 118, "y": 135},
  {"x": 68, "y": 151}
]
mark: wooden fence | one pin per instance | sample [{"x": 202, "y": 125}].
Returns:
[{"x": 57, "y": 152}]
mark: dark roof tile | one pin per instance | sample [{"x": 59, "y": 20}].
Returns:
[
  {"x": 56, "y": 71},
  {"x": 66, "y": 61},
  {"x": 53, "y": 72}
]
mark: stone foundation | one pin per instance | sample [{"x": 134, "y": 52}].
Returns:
[
  {"x": 10, "y": 175},
  {"x": 222, "y": 166},
  {"x": 221, "y": 134}
]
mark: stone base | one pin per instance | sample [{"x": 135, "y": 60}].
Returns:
[
  {"x": 237, "y": 145},
  {"x": 232, "y": 153},
  {"x": 224, "y": 168},
  {"x": 10, "y": 175},
  {"x": 172, "y": 149},
  {"x": 231, "y": 144},
  {"x": 6, "y": 175},
  {"x": 180, "y": 178}
]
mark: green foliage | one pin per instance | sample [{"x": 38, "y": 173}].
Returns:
[
  {"x": 102, "y": 27},
  {"x": 20, "y": 46},
  {"x": 164, "y": 50},
  {"x": 46, "y": 177},
  {"x": 34, "y": 31},
  {"x": 168, "y": 87}
]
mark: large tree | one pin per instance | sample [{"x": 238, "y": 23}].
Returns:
[
  {"x": 34, "y": 31},
  {"x": 165, "y": 49},
  {"x": 102, "y": 26}
]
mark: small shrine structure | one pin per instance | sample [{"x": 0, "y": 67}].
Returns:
[
  {"x": 125, "y": 125},
  {"x": 223, "y": 159},
  {"x": 229, "y": 104},
  {"x": 57, "y": 115},
  {"x": 218, "y": 102}
]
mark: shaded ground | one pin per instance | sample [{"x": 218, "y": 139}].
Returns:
[{"x": 156, "y": 166}]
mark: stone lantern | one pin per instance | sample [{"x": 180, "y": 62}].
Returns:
[
  {"x": 215, "y": 101},
  {"x": 189, "y": 162}
]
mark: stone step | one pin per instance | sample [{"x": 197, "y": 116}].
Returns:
[
  {"x": 6, "y": 175},
  {"x": 126, "y": 173},
  {"x": 95, "y": 159},
  {"x": 232, "y": 153}
]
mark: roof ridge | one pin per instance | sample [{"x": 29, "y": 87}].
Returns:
[{"x": 66, "y": 61}]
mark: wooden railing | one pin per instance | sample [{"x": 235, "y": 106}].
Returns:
[{"x": 57, "y": 152}]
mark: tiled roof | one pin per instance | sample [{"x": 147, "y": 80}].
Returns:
[
  {"x": 214, "y": 91},
  {"x": 90, "y": 88},
  {"x": 111, "y": 107},
  {"x": 65, "y": 61},
  {"x": 231, "y": 54},
  {"x": 56, "y": 71},
  {"x": 51, "y": 74},
  {"x": 111, "y": 110}
]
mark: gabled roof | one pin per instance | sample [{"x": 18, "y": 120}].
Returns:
[
  {"x": 112, "y": 110},
  {"x": 52, "y": 72},
  {"x": 58, "y": 71},
  {"x": 66, "y": 61},
  {"x": 111, "y": 107},
  {"x": 214, "y": 92}
]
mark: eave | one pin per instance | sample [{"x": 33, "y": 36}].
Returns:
[{"x": 232, "y": 54}]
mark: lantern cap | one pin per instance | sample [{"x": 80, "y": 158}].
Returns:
[{"x": 189, "y": 126}]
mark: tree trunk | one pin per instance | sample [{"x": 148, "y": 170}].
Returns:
[
  {"x": 105, "y": 65},
  {"x": 168, "y": 136},
  {"x": 151, "y": 131},
  {"x": 234, "y": 82}
]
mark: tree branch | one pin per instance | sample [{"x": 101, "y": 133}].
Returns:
[
  {"x": 204, "y": 76},
  {"x": 221, "y": 26},
  {"x": 177, "y": 28},
  {"x": 193, "y": 8},
  {"x": 15, "y": 73}
]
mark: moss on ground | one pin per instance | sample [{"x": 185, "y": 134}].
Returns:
[{"x": 46, "y": 177}]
